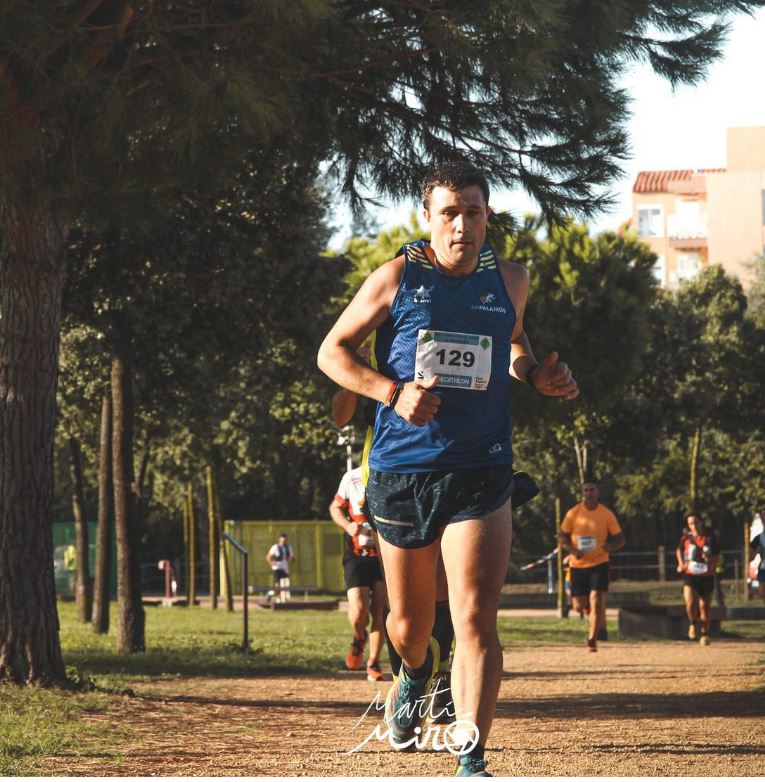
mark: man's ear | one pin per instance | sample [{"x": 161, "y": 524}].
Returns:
[
  {"x": 489, "y": 211},
  {"x": 426, "y": 215}
]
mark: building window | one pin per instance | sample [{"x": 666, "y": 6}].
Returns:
[
  {"x": 762, "y": 192},
  {"x": 659, "y": 269},
  {"x": 688, "y": 265},
  {"x": 650, "y": 221}
]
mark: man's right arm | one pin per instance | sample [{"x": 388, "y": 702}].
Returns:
[
  {"x": 337, "y": 512},
  {"x": 338, "y": 357},
  {"x": 343, "y": 407},
  {"x": 567, "y": 544}
]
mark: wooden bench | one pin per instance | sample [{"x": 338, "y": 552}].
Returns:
[
  {"x": 328, "y": 604},
  {"x": 661, "y": 621},
  {"x": 305, "y": 590}
]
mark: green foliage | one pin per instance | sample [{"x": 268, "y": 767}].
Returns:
[
  {"x": 757, "y": 292},
  {"x": 225, "y": 299},
  {"x": 366, "y": 254}
]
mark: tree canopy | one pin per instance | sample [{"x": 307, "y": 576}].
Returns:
[{"x": 117, "y": 109}]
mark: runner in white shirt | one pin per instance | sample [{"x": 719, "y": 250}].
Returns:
[{"x": 363, "y": 574}]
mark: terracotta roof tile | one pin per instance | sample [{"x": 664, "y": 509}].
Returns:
[{"x": 656, "y": 181}]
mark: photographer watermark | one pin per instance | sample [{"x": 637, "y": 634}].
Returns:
[{"x": 458, "y": 737}]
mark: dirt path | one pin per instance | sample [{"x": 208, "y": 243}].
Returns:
[{"x": 646, "y": 709}]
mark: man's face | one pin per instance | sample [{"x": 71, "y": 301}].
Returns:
[
  {"x": 282, "y": 540},
  {"x": 590, "y": 492},
  {"x": 457, "y": 220},
  {"x": 694, "y": 525}
]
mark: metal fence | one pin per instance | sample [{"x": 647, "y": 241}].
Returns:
[{"x": 657, "y": 565}]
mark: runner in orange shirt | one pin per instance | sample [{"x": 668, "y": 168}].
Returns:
[{"x": 590, "y": 532}]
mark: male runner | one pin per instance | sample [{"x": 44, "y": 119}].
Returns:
[
  {"x": 363, "y": 575},
  {"x": 449, "y": 322},
  {"x": 590, "y": 531},
  {"x": 698, "y": 554}
]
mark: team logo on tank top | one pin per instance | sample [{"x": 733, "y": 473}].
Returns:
[
  {"x": 488, "y": 304},
  {"x": 422, "y": 295}
]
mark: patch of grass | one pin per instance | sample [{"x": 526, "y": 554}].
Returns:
[
  {"x": 36, "y": 723},
  {"x": 542, "y": 630},
  {"x": 197, "y": 641}
]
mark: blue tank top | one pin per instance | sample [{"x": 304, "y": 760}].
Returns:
[{"x": 471, "y": 428}]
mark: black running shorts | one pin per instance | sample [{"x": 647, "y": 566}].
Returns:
[
  {"x": 704, "y": 585},
  {"x": 362, "y": 571},
  {"x": 411, "y": 509},
  {"x": 589, "y": 579}
]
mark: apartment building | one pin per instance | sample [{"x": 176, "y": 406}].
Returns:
[{"x": 692, "y": 219}]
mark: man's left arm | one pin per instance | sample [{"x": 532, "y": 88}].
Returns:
[
  {"x": 550, "y": 377},
  {"x": 614, "y": 542},
  {"x": 615, "y": 539}
]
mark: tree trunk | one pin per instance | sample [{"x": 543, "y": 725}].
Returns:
[
  {"x": 212, "y": 540},
  {"x": 84, "y": 589},
  {"x": 694, "y": 477},
  {"x": 130, "y": 625},
  {"x": 103, "y": 583},
  {"x": 32, "y": 268},
  {"x": 191, "y": 551}
]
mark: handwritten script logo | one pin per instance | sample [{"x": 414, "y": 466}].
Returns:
[{"x": 458, "y": 737}]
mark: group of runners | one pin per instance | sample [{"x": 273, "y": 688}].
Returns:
[{"x": 433, "y": 340}]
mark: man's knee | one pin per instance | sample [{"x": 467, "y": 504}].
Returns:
[
  {"x": 408, "y": 631},
  {"x": 473, "y": 618},
  {"x": 580, "y": 602}
]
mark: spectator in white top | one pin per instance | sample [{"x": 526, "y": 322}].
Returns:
[{"x": 279, "y": 557}]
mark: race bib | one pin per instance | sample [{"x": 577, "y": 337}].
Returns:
[
  {"x": 459, "y": 360},
  {"x": 697, "y": 568},
  {"x": 586, "y": 542},
  {"x": 365, "y": 538}
]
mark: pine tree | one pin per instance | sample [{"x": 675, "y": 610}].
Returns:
[{"x": 107, "y": 106}]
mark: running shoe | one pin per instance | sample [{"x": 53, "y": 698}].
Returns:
[
  {"x": 355, "y": 657},
  {"x": 441, "y": 710},
  {"x": 692, "y": 631},
  {"x": 406, "y": 705},
  {"x": 704, "y": 640},
  {"x": 592, "y": 645},
  {"x": 374, "y": 672},
  {"x": 471, "y": 767}
]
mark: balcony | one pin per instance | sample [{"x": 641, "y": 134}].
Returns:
[{"x": 689, "y": 232}]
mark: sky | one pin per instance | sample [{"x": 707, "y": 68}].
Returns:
[{"x": 680, "y": 129}]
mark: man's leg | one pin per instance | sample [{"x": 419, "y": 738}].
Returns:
[
  {"x": 691, "y": 609},
  {"x": 358, "y": 609},
  {"x": 580, "y": 604},
  {"x": 443, "y": 629},
  {"x": 705, "y": 612},
  {"x": 284, "y": 583},
  {"x": 376, "y": 637},
  {"x": 476, "y": 554},
  {"x": 597, "y": 618},
  {"x": 442, "y": 707},
  {"x": 411, "y": 586}
]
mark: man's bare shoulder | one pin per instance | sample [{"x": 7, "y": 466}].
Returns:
[
  {"x": 516, "y": 279},
  {"x": 515, "y": 273},
  {"x": 388, "y": 272}
]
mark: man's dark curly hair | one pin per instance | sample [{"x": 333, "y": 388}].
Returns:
[{"x": 455, "y": 175}]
